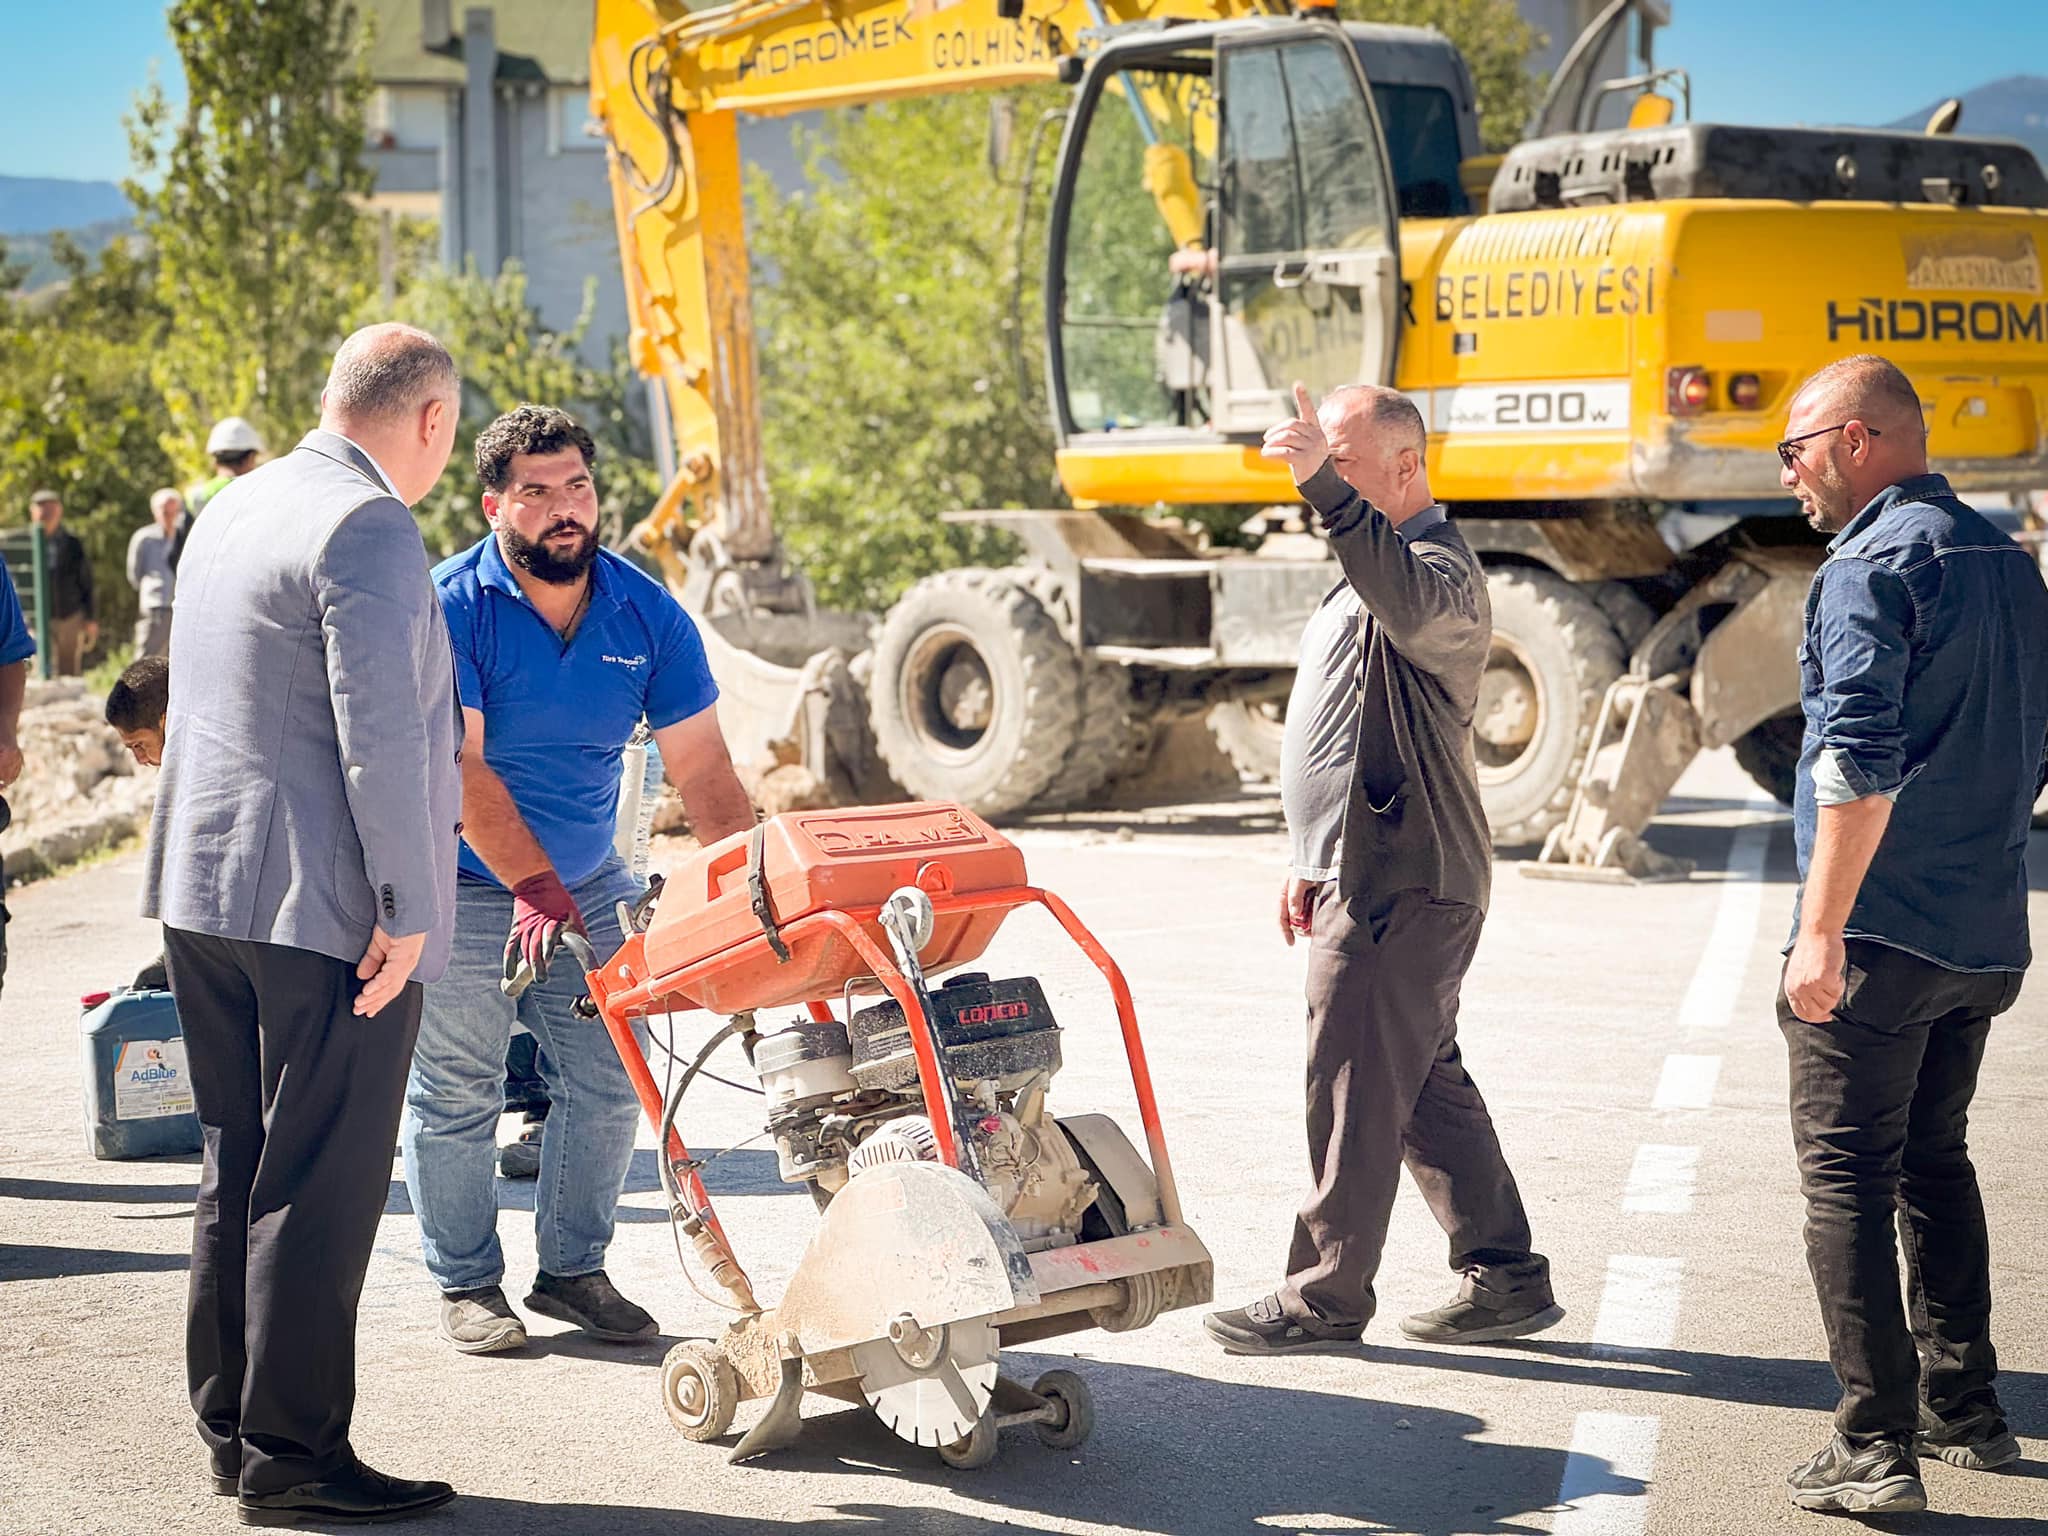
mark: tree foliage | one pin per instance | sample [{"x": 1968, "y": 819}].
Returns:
[
  {"x": 250, "y": 201},
  {"x": 898, "y": 303}
]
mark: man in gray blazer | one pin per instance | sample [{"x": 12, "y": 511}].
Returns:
[{"x": 302, "y": 859}]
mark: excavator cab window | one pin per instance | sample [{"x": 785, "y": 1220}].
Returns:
[{"x": 1308, "y": 272}]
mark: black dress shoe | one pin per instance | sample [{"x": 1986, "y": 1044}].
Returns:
[
  {"x": 355, "y": 1496},
  {"x": 224, "y": 1469}
]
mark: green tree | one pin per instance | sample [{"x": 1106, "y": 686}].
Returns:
[
  {"x": 1496, "y": 43},
  {"x": 506, "y": 356},
  {"x": 250, "y": 200},
  {"x": 78, "y": 411}
]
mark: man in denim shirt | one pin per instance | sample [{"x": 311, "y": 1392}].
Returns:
[{"x": 1924, "y": 678}]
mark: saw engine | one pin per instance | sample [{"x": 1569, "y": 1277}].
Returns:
[
  {"x": 844, "y": 1099},
  {"x": 957, "y": 1215}
]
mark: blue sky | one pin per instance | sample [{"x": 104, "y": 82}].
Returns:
[{"x": 1756, "y": 61}]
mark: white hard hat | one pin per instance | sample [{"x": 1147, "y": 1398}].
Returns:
[{"x": 231, "y": 434}]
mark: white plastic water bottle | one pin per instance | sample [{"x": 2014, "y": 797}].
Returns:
[{"x": 640, "y": 780}]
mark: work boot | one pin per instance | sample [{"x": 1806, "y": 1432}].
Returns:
[
  {"x": 480, "y": 1321},
  {"x": 1470, "y": 1320},
  {"x": 1883, "y": 1478},
  {"x": 354, "y": 1496},
  {"x": 1979, "y": 1441},
  {"x": 1263, "y": 1328},
  {"x": 521, "y": 1159},
  {"x": 592, "y": 1303}
]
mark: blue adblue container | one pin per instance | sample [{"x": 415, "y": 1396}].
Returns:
[{"x": 138, "y": 1089}]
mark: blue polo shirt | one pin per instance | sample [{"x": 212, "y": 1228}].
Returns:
[
  {"x": 557, "y": 717},
  {"x": 15, "y": 644}
]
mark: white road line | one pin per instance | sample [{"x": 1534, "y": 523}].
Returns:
[
  {"x": 1716, "y": 984},
  {"x": 1687, "y": 1082},
  {"x": 1639, "y": 1303},
  {"x": 1660, "y": 1182},
  {"x": 1606, "y": 1485}
]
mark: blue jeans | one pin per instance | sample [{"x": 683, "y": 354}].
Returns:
[{"x": 456, "y": 1093}]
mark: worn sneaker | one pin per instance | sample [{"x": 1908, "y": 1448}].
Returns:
[
  {"x": 1263, "y": 1328},
  {"x": 480, "y": 1322},
  {"x": 1463, "y": 1320},
  {"x": 592, "y": 1303},
  {"x": 521, "y": 1159},
  {"x": 1979, "y": 1441},
  {"x": 1883, "y": 1478}
]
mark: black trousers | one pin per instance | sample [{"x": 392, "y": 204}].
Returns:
[
  {"x": 1386, "y": 1085},
  {"x": 1880, "y": 1117},
  {"x": 298, "y": 1102}
]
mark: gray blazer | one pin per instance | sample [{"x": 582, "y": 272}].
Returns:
[{"x": 309, "y": 789}]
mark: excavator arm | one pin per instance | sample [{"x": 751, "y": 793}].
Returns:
[{"x": 668, "y": 84}]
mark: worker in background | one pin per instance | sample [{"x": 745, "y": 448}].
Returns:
[
  {"x": 1924, "y": 679},
  {"x": 17, "y": 648},
  {"x": 234, "y": 446},
  {"x": 561, "y": 648},
  {"x": 302, "y": 861},
  {"x": 74, "y": 621},
  {"x": 1391, "y": 868},
  {"x": 135, "y": 708},
  {"x": 151, "y": 573}
]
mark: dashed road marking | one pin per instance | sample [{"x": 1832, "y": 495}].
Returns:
[
  {"x": 1661, "y": 1180},
  {"x": 1687, "y": 1082},
  {"x": 1606, "y": 1486},
  {"x": 1716, "y": 984},
  {"x": 1639, "y": 1303}
]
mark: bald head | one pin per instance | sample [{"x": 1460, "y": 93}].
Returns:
[
  {"x": 1855, "y": 429},
  {"x": 1378, "y": 444},
  {"x": 393, "y": 390}
]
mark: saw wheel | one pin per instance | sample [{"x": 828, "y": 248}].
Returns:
[{"x": 930, "y": 1385}]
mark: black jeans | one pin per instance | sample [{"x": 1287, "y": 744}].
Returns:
[
  {"x": 1386, "y": 1086},
  {"x": 1880, "y": 1114},
  {"x": 298, "y": 1104}
]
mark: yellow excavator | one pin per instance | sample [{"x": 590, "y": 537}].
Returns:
[{"x": 1602, "y": 329}]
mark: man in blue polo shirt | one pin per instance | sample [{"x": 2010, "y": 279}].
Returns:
[
  {"x": 15, "y": 650},
  {"x": 561, "y": 648}
]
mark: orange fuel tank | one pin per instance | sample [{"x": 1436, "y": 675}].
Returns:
[{"x": 846, "y": 860}]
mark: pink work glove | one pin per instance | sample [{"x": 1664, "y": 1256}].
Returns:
[{"x": 542, "y": 909}]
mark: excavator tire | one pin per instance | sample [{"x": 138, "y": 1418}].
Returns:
[
  {"x": 1111, "y": 731},
  {"x": 1769, "y": 754},
  {"x": 974, "y": 696},
  {"x": 1249, "y": 732},
  {"x": 1554, "y": 654}
]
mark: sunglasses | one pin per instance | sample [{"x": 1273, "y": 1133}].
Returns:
[{"x": 1788, "y": 450}]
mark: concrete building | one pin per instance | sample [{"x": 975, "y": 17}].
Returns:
[{"x": 478, "y": 123}]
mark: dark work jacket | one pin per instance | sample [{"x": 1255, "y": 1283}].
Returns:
[
  {"x": 1414, "y": 821},
  {"x": 1924, "y": 678},
  {"x": 70, "y": 575}
]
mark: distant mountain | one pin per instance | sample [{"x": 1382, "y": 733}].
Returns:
[
  {"x": 34, "y": 205},
  {"x": 2013, "y": 108},
  {"x": 32, "y": 252}
]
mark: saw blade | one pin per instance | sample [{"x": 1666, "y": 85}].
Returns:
[{"x": 936, "y": 1404}]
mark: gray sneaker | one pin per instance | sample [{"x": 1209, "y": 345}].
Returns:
[
  {"x": 480, "y": 1322},
  {"x": 592, "y": 1303},
  {"x": 1979, "y": 1441},
  {"x": 1463, "y": 1320}
]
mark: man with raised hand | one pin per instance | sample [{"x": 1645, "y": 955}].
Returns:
[
  {"x": 1392, "y": 866},
  {"x": 561, "y": 649}
]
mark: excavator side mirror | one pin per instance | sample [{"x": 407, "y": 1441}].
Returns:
[
  {"x": 1946, "y": 118},
  {"x": 1651, "y": 111}
]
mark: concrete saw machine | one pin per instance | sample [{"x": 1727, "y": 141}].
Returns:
[{"x": 957, "y": 1214}]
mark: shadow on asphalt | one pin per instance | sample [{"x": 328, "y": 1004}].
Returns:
[
  {"x": 113, "y": 1194},
  {"x": 1174, "y": 1452},
  {"x": 1746, "y": 1379},
  {"x": 745, "y": 1171},
  {"x": 35, "y": 1261}
]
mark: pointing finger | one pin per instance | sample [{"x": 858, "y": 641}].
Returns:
[{"x": 1304, "y": 407}]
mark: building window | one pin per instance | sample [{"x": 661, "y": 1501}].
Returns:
[{"x": 568, "y": 118}]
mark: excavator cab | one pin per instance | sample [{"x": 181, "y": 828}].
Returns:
[{"x": 1292, "y": 271}]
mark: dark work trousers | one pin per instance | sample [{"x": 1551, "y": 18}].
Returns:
[
  {"x": 1880, "y": 1115},
  {"x": 1386, "y": 1085},
  {"x": 298, "y": 1103}
]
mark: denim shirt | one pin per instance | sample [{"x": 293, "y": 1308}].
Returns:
[{"x": 1924, "y": 678}]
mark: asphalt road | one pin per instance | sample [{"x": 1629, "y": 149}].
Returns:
[{"x": 1624, "y": 1038}]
